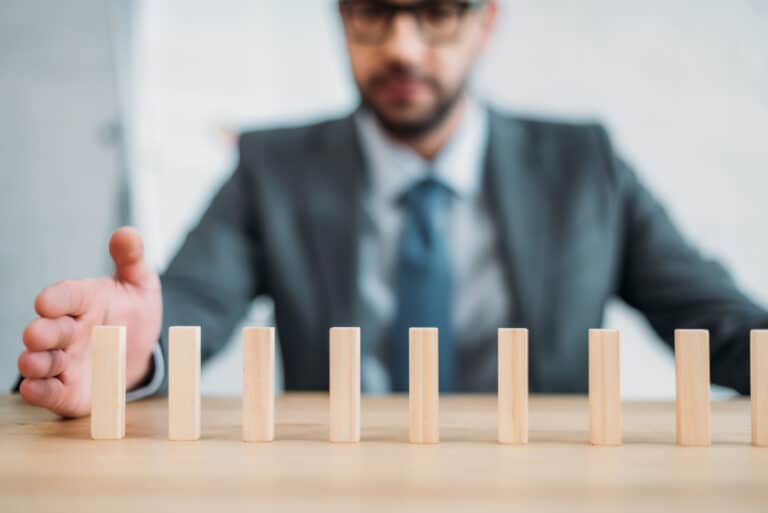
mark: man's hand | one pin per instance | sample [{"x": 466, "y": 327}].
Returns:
[{"x": 56, "y": 364}]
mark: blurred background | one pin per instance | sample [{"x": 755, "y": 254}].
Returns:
[{"x": 120, "y": 111}]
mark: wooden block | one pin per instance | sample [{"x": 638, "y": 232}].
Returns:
[
  {"x": 692, "y": 407},
  {"x": 513, "y": 386},
  {"x": 108, "y": 382},
  {"x": 344, "y": 384},
  {"x": 424, "y": 385},
  {"x": 604, "y": 388},
  {"x": 184, "y": 383},
  {"x": 759, "y": 386},
  {"x": 258, "y": 384}
]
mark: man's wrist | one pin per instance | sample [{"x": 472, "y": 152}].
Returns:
[
  {"x": 153, "y": 379},
  {"x": 144, "y": 377}
]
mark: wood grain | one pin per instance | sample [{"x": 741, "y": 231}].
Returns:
[
  {"x": 344, "y": 386},
  {"x": 108, "y": 382},
  {"x": 423, "y": 386},
  {"x": 604, "y": 387},
  {"x": 49, "y": 465},
  {"x": 759, "y": 386},
  {"x": 693, "y": 419},
  {"x": 258, "y": 415},
  {"x": 184, "y": 383},
  {"x": 513, "y": 386}
]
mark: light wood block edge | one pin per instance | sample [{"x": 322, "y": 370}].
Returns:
[
  {"x": 258, "y": 415},
  {"x": 605, "y": 426},
  {"x": 184, "y": 348},
  {"x": 512, "y": 409},
  {"x": 693, "y": 425},
  {"x": 759, "y": 386},
  {"x": 344, "y": 385},
  {"x": 108, "y": 382},
  {"x": 424, "y": 385}
]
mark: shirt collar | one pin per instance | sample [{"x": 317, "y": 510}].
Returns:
[{"x": 395, "y": 167}]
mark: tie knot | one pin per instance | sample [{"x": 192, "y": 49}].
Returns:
[{"x": 425, "y": 191}]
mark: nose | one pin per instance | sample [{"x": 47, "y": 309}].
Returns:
[{"x": 404, "y": 43}]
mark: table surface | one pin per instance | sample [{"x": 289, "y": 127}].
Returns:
[{"x": 50, "y": 465}]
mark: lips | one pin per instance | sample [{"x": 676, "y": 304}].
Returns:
[{"x": 401, "y": 89}]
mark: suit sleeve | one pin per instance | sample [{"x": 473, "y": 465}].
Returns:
[
  {"x": 213, "y": 278},
  {"x": 675, "y": 286}
]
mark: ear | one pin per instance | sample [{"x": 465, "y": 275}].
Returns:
[
  {"x": 340, "y": 12},
  {"x": 342, "y": 19},
  {"x": 490, "y": 16}
]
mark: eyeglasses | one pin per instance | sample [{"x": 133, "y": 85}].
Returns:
[{"x": 369, "y": 22}]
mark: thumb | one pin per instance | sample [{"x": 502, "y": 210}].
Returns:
[{"x": 127, "y": 250}]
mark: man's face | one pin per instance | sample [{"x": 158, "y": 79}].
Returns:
[{"x": 411, "y": 58}]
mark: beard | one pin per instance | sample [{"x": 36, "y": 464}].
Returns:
[{"x": 421, "y": 125}]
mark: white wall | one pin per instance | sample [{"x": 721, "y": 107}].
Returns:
[
  {"x": 683, "y": 85},
  {"x": 60, "y": 180}
]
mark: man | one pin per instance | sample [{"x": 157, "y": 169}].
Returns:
[{"x": 423, "y": 208}]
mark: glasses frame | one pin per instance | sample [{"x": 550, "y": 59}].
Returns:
[{"x": 415, "y": 10}]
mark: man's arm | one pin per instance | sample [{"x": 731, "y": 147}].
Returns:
[
  {"x": 213, "y": 278},
  {"x": 670, "y": 282}
]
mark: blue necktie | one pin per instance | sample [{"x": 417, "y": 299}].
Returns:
[{"x": 424, "y": 282}]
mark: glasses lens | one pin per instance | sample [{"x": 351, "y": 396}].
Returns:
[
  {"x": 368, "y": 21},
  {"x": 440, "y": 21}
]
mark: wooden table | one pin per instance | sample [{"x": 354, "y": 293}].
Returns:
[{"x": 52, "y": 465}]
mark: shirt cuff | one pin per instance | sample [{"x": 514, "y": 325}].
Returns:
[{"x": 155, "y": 382}]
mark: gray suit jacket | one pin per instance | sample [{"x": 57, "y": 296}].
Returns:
[{"x": 575, "y": 224}]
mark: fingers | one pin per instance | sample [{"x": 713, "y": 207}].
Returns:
[
  {"x": 43, "y": 364},
  {"x": 55, "y": 379},
  {"x": 127, "y": 250},
  {"x": 67, "y": 297},
  {"x": 47, "y": 393},
  {"x": 45, "y": 334}
]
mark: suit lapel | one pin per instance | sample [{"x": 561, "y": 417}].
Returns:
[
  {"x": 334, "y": 192},
  {"x": 515, "y": 199}
]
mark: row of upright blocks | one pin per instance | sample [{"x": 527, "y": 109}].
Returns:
[{"x": 692, "y": 412}]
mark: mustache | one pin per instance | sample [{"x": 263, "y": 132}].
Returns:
[{"x": 398, "y": 71}]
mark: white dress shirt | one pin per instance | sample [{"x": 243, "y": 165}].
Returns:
[{"x": 481, "y": 299}]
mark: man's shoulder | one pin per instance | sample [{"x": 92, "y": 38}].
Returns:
[
  {"x": 546, "y": 128},
  {"x": 563, "y": 152},
  {"x": 556, "y": 143},
  {"x": 294, "y": 139}
]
